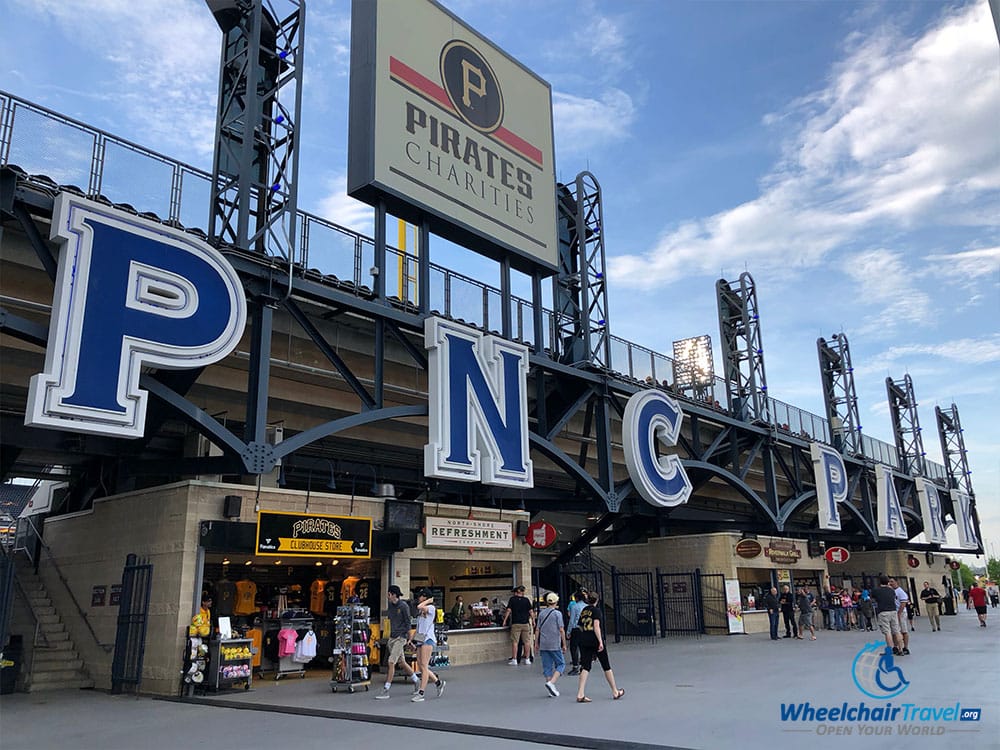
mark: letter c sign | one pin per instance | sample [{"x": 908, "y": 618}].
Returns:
[{"x": 652, "y": 416}]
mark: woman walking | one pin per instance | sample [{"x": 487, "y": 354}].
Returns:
[
  {"x": 592, "y": 645},
  {"x": 426, "y": 641}
]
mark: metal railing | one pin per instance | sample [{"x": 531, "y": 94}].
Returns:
[{"x": 60, "y": 152}]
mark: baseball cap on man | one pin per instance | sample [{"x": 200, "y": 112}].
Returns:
[
  {"x": 552, "y": 598},
  {"x": 519, "y": 588},
  {"x": 395, "y": 590}
]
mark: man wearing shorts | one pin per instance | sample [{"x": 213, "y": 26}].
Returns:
[
  {"x": 519, "y": 614},
  {"x": 888, "y": 615},
  {"x": 978, "y": 596},
  {"x": 399, "y": 635},
  {"x": 902, "y": 602},
  {"x": 805, "y": 614}
]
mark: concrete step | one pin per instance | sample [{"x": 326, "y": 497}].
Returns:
[
  {"x": 48, "y": 620},
  {"x": 53, "y": 635},
  {"x": 61, "y": 646},
  {"x": 39, "y": 600},
  {"x": 78, "y": 682},
  {"x": 58, "y": 661},
  {"x": 43, "y": 609}
]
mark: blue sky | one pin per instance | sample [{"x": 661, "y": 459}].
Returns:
[{"x": 846, "y": 154}]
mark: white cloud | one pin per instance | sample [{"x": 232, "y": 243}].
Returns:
[
  {"x": 966, "y": 266},
  {"x": 583, "y": 123},
  {"x": 903, "y": 136},
  {"x": 884, "y": 279},
  {"x": 966, "y": 351},
  {"x": 338, "y": 207}
]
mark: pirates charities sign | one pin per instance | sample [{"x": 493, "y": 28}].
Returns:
[{"x": 445, "y": 126}]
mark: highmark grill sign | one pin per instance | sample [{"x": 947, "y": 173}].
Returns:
[
  {"x": 445, "y": 126},
  {"x": 282, "y": 534},
  {"x": 132, "y": 293}
]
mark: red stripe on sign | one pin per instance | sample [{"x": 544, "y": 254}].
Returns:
[
  {"x": 436, "y": 93},
  {"x": 420, "y": 82}
]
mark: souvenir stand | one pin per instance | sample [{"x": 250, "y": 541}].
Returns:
[
  {"x": 297, "y": 620},
  {"x": 351, "y": 668}
]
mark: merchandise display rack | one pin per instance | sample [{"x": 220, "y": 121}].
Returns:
[
  {"x": 439, "y": 656},
  {"x": 351, "y": 668},
  {"x": 230, "y": 662},
  {"x": 286, "y": 665}
]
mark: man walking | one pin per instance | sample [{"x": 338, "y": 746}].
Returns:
[
  {"x": 805, "y": 604},
  {"x": 399, "y": 635},
  {"x": 932, "y": 605},
  {"x": 977, "y": 594},
  {"x": 574, "y": 609},
  {"x": 771, "y": 604},
  {"x": 902, "y": 600},
  {"x": 888, "y": 614},
  {"x": 787, "y": 601},
  {"x": 550, "y": 642},
  {"x": 520, "y": 614}
]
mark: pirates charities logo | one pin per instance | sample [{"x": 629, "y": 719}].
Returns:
[{"x": 472, "y": 86}]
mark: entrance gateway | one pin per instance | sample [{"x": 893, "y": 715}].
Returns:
[{"x": 187, "y": 303}]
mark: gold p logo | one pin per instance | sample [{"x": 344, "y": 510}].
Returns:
[{"x": 472, "y": 86}]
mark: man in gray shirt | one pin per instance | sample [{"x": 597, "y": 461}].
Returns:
[{"x": 399, "y": 634}]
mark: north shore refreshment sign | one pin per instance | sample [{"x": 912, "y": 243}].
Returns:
[
  {"x": 447, "y": 127},
  {"x": 468, "y": 532}
]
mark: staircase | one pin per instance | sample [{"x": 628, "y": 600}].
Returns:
[{"x": 55, "y": 663}]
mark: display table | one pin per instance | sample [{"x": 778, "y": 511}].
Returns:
[{"x": 478, "y": 645}]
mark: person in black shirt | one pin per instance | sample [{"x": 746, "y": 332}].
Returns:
[
  {"x": 887, "y": 618},
  {"x": 520, "y": 614},
  {"x": 787, "y": 602},
  {"x": 592, "y": 644},
  {"x": 772, "y": 605},
  {"x": 932, "y": 605}
]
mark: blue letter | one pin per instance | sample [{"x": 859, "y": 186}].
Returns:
[
  {"x": 831, "y": 484},
  {"x": 890, "y": 515},
  {"x": 652, "y": 416},
  {"x": 478, "y": 407},
  {"x": 129, "y": 293}
]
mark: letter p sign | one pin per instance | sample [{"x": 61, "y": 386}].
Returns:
[{"x": 129, "y": 293}]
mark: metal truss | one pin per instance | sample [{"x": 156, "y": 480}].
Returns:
[
  {"x": 580, "y": 288},
  {"x": 742, "y": 350},
  {"x": 254, "y": 185},
  {"x": 906, "y": 425},
  {"x": 956, "y": 460},
  {"x": 839, "y": 395}
]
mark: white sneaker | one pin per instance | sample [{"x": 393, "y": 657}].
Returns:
[
  {"x": 384, "y": 695},
  {"x": 513, "y": 662},
  {"x": 553, "y": 690},
  {"x": 418, "y": 697},
  {"x": 528, "y": 661},
  {"x": 440, "y": 687}
]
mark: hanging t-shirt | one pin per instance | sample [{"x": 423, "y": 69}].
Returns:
[
  {"x": 286, "y": 642},
  {"x": 225, "y": 598},
  {"x": 347, "y": 588},
  {"x": 317, "y": 596},
  {"x": 332, "y": 598},
  {"x": 362, "y": 591},
  {"x": 305, "y": 649},
  {"x": 246, "y": 597}
]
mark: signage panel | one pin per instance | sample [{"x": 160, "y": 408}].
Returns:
[
  {"x": 541, "y": 535},
  {"x": 837, "y": 555},
  {"x": 468, "y": 532},
  {"x": 281, "y": 534},
  {"x": 749, "y": 548},
  {"x": 443, "y": 124}
]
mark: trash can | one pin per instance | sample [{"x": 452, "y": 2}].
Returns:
[
  {"x": 10, "y": 664},
  {"x": 644, "y": 621},
  {"x": 947, "y": 605}
]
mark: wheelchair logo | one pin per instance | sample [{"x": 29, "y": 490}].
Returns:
[{"x": 876, "y": 674}]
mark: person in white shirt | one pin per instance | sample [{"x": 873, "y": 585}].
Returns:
[
  {"x": 902, "y": 599},
  {"x": 426, "y": 641}
]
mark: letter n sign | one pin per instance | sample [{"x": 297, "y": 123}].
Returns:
[
  {"x": 129, "y": 293},
  {"x": 478, "y": 407}
]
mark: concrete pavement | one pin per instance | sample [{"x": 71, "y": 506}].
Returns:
[{"x": 709, "y": 692}]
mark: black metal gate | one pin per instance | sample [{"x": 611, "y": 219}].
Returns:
[
  {"x": 6, "y": 593},
  {"x": 133, "y": 616},
  {"x": 712, "y": 589},
  {"x": 572, "y": 580},
  {"x": 632, "y": 599},
  {"x": 679, "y": 600}
]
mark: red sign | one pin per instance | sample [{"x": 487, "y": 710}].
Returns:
[
  {"x": 541, "y": 534},
  {"x": 954, "y": 565},
  {"x": 837, "y": 555},
  {"x": 912, "y": 561}
]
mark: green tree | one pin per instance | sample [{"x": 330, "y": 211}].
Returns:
[
  {"x": 993, "y": 569},
  {"x": 966, "y": 575}
]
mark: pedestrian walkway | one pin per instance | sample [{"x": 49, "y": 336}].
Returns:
[{"x": 709, "y": 692}]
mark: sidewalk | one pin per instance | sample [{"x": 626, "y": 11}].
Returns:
[{"x": 709, "y": 692}]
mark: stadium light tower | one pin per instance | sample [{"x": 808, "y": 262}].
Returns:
[
  {"x": 956, "y": 459},
  {"x": 742, "y": 350},
  {"x": 906, "y": 425},
  {"x": 254, "y": 173},
  {"x": 694, "y": 368},
  {"x": 841, "y": 400}
]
